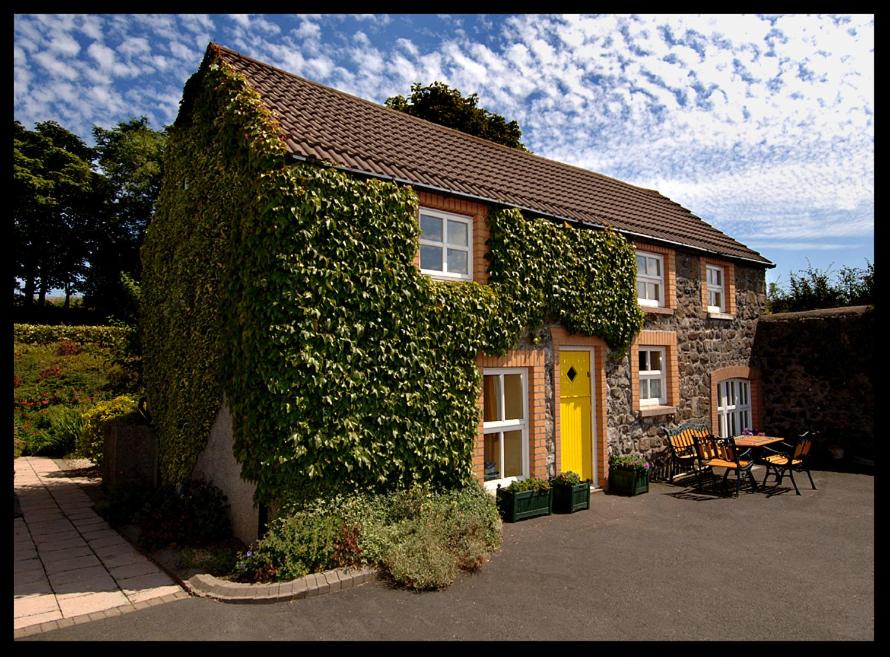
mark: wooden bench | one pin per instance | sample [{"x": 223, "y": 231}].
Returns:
[{"x": 681, "y": 442}]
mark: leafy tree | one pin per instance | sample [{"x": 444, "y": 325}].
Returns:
[
  {"x": 439, "y": 103},
  {"x": 53, "y": 201},
  {"x": 130, "y": 158},
  {"x": 79, "y": 228},
  {"x": 812, "y": 288}
]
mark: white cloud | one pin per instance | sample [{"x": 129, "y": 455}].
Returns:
[
  {"x": 745, "y": 120},
  {"x": 103, "y": 55}
]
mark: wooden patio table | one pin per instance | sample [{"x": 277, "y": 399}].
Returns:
[{"x": 755, "y": 441}]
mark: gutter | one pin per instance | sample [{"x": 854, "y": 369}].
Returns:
[{"x": 451, "y": 192}]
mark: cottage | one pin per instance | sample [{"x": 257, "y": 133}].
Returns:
[{"x": 555, "y": 400}]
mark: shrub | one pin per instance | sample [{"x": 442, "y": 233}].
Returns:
[
  {"x": 91, "y": 441},
  {"x": 55, "y": 430},
  {"x": 420, "y": 537},
  {"x": 567, "y": 478},
  {"x": 633, "y": 461},
  {"x": 111, "y": 337},
  {"x": 294, "y": 546},
  {"x": 420, "y": 559},
  {"x": 68, "y": 348},
  {"x": 531, "y": 483},
  {"x": 195, "y": 513}
]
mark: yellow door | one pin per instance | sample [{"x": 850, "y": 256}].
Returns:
[{"x": 574, "y": 412}]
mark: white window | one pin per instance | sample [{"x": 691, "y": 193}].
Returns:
[
  {"x": 734, "y": 406},
  {"x": 505, "y": 425},
  {"x": 716, "y": 289},
  {"x": 446, "y": 244},
  {"x": 653, "y": 376},
  {"x": 650, "y": 279}
]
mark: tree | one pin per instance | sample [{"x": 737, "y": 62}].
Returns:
[
  {"x": 130, "y": 158},
  {"x": 812, "y": 288},
  {"x": 53, "y": 201},
  {"x": 441, "y": 104}
]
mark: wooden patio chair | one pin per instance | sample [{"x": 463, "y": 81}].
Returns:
[
  {"x": 681, "y": 443},
  {"x": 716, "y": 452},
  {"x": 787, "y": 458}
]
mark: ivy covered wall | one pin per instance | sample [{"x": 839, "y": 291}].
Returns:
[{"x": 292, "y": 290}]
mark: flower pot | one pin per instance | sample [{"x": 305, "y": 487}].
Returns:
[
  {"x": 568, "y": 498},
  {"x": 624, "y": 481},
  {"x": 524, "y": 504}
]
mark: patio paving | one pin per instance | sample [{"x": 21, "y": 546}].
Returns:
[{"x": 68, "y": 562}]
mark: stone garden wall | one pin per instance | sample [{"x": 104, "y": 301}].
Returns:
[{"x": 817, "y": 369}]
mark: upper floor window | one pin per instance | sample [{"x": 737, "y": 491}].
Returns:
[
  {"x": 716, "y": 289},
  {"x": 446, "y": 244},
  {"x": 650, "y": 279}
]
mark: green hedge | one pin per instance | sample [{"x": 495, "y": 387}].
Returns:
[
  {"x": 110, "y": 337},
  {"x": 293, "y": 291}
]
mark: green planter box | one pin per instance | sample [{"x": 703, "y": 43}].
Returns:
[
  {"x": 628, "y": 482},
  {"x": 568, "y": 499},
  {"x": 523, "y": 504}
]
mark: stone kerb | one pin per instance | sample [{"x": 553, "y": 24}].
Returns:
[{"x": 208, "y": 586}]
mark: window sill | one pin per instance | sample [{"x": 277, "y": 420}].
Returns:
[
  {"x": 651, "y": 411},
  {"x": 657, "y": 310},
  {"x": 720, "y": 316},
  {"x": 445, "y": 277}
]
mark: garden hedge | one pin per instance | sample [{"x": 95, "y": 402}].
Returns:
[
  {"x": 110, "y": 337},
  {"x": 291, "y": 291}
]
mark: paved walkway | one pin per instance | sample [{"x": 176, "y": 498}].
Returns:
[{"x": 69, "y": 563}]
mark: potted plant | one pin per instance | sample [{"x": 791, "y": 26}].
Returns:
[
  {"x": 628, "y": 474},
  {"x": 523, "y": 499},
  {"x": 570, "y": 493}
]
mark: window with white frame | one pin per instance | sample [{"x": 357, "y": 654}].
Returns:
[
  {"x": 653, "y": 376},
  {"x": 446, "y": 242},
  {"x": 734, "y": 406},
  {"x": 716, "y": 289},
  {"x": 505, "y": 424},
  {"x": 650, "y": 279}
]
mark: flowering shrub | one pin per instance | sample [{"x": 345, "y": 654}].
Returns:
[
  {"x": 90, "y": 444},
  {"x": 421, "y": 538},
  {"x": 529, "y": 484},
  {"x": 567, "y": 478},
  {"x": 752, "y": 432},
  {"x": 633, "y": 461}
]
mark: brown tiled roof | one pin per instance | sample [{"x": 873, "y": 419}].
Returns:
[{"x": 358, "y": 135}]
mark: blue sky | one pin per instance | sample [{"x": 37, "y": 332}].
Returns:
[{"x": 761, "y": 125}]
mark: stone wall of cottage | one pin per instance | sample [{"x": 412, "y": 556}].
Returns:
[
  {"x": 703, "y": 345},
  {"x": 817, "y": 370}
]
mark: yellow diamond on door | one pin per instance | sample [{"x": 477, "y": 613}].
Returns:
[{"x": 574, "y": 412}]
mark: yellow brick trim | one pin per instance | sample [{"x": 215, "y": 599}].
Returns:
[
  {"x": 729, "y": 282},
  {"x": 668, "y": 340},
  {"x": 752, "y": 374},
  {"x": 533, "y": 362}
]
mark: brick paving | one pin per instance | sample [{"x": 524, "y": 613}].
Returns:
[{"x": 70, "y": 565}]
